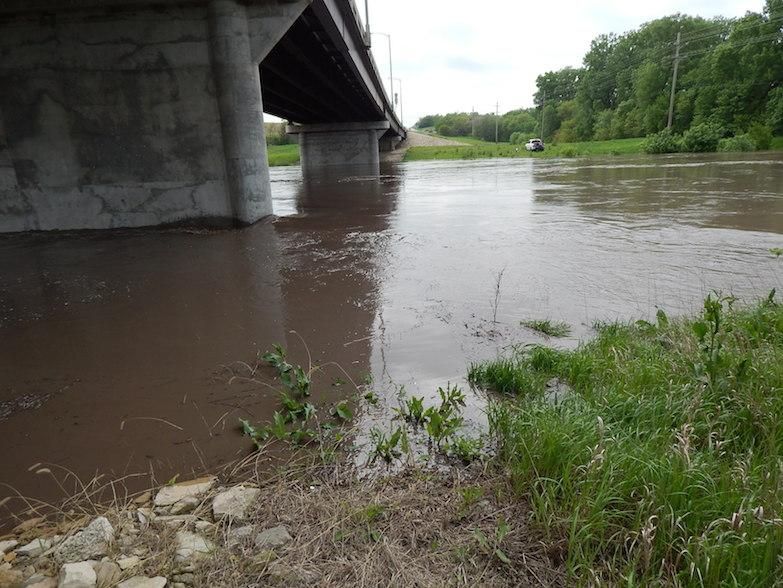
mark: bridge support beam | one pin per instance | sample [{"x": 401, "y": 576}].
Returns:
[{"x": 339, "y": 148}]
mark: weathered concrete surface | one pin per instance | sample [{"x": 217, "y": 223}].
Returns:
[
  {"x": 121, "y": 114},
  {"x": 339, "y": 148}
]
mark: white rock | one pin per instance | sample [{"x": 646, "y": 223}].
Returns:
[
  {"x": 127, "y": 563},
  {"x": 170, "y": 495},
  {"x": 274, "y": 537},
  {"x": 187, "y": 504},
  {"x": 240, "y": 535},
  {"x": 92, "y": 541},
  {"x": 40, "y": 581},
  {"x": 108, "y": 573},
  {"x": 174, "y": 520},
  {"x": 191, "y": 546},
  {"x": 6, "y": 546},
  {"x": 143, "y": 582},
  {"x": 35, "y": 548},
  {"x": 234, "y": 503},
  {"x": 203, "y": 526},
  {"x": 77, "y": 575}
]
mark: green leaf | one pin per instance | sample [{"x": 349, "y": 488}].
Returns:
[
  {"x": 701, "y": 329},
  {"x": 502, "y": 556}
]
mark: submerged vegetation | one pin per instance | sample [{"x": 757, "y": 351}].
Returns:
[
  {"x": 664, "y": 463},
  {"x": 548, "y": 327}
]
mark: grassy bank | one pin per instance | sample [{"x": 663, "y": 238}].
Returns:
[
  {"x": 283, "y": 154},
  {"x": 664, "y": 463},
  {"x": 477, "y": 149}
]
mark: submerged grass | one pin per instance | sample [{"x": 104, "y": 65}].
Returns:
[
  {"x": 548, "y": 327},
  {"x": 663, "y": 465}
]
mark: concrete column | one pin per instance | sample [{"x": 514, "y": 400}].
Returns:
[
  {"x": 238, "y": 84},
  {"x": 339, "y": 148}
]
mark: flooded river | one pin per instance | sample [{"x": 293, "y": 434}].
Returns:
[{"x": 118, "y": 350}]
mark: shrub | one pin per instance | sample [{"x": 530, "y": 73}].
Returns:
[
  {"x": 737, "y": 143},
  {"x": 663, "y": 142},
  {"x": 702, "y": 138},
  {"x": 517, "y": 138},
  {"x": 761, "y": 135}
]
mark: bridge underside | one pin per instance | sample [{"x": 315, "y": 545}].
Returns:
[{"x": 119, "y": 113}]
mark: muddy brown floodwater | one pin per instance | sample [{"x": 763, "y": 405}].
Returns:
[{"x": 117, "y": 348}]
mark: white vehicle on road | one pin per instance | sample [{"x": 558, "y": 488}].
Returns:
[{"x": 534, "y": 145}]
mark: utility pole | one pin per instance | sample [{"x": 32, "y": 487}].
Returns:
[
  {"x": 543, "y": 107},
  {"x": 674, "y": 81},
  {"x": 472, "y": 121},
  {"x": 497, "y": 111}
]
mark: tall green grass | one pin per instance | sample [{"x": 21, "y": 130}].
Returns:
[
  {"x": 663, "y": 466},
  {"x": 283, "y": 154}
]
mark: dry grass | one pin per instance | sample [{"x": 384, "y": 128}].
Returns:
[{"x": 413, "y": 528}]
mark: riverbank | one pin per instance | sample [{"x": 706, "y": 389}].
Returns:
[
  {"x": 432, "y": 147},
  {"x": 648, "y": 455}
]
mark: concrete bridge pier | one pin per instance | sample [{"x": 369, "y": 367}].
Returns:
[
  {"x": 339, "y": 148},
  {"x": 241, "y": 110}
]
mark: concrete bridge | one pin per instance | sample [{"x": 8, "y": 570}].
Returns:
[{"x": 125, "y": 113}]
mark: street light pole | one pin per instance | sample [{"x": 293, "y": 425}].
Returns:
[
  {"x": 367, "y": 23},
  {"x": 399, "y": 85},
  {"x": 391, "y": 74}
]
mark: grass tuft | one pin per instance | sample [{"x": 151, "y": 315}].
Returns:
[{"x": 548, "y": 327}]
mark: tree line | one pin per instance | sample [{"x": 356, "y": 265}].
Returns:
[{"x": 729, "y": 83}]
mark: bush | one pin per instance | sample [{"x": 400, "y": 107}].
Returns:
[
  {"x": 702, "y": 138},
  {"x": 761, "y": 135},
  {"x": 663, "y": 142},
  {"x": 738, "y": 143},
  {"x": 517, "y": 138}
]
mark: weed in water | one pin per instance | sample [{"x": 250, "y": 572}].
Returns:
[
  {"x": 342, "y": 411},
  {"x": 548, "y": 327},
  {"x": 776, "y": 251},
  {"x": 466, "y": 449},
  {"x": 293, "y": 377},
  {"x": 496, "y": 298},
  {"x": 388, "y": 447},
  {"x": 412, "y": 410}
]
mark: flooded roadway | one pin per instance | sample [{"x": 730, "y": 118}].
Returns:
[{"x": 117, "y": 349}]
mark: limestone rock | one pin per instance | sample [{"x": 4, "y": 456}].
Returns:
[
  {"x": 40, "y": 581},
  {"x": 9, "y": 577},
  {"x": 235, "y": 503},
  {"x": 143, "y": 582},
  {"x": 174, "y": 520},
  {"x": 92, "y": 541},
  {"x": 108, "y": 574},
  {"x": 203, "y": 526},
  {"x": 6, "y": 546},
  {"x": 171, "y": 495},
  {"x": 127, "y": 563},
  {"x": 77, "y": 575},
  {"x": 274, "y": 537},
  {"x": 187, "y": 578},
  {"x": 35, "y": 548},
  {"x": 240, "y": 535},
  {"x": 191, "y": 546},
  {"x": 187, "y": 504}
]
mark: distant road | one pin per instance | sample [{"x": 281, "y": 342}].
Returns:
[{"x": 416, "y": 139}]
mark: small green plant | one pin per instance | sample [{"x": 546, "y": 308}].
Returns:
[
  {"x": 548, "y": 327},
  {"x": 452, "y": 399},
  {"x": 302, "y": 435},
  {"x": 257, "y": 435},
  {"x": 296, "y": 409},
  {"x": 388, "y": 447},
  {"x": 776, "y": 251},
  {"x": 342, "y": 411},
  {"x": 371, "y": 397},
  {"x": 466, "y": 449},
  {"x": 663, "y": 142},
  {"x": 470, "y": 495},
  {"x": 441, "y": 425},
  {"x": 294, "y": 378},
  {"x": 491, "y": 546},
  {"x": 412, "y": 410}
]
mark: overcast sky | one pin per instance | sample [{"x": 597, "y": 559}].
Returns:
[{"x": 452, "y": 55}]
